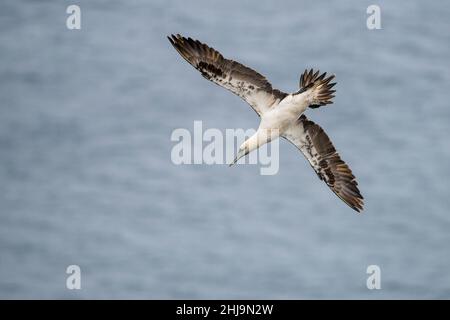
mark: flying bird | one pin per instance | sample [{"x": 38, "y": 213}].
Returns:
[{"x": 281, "y": 113}]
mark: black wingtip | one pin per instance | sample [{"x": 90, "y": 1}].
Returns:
[{"x": 174, "y": 37}]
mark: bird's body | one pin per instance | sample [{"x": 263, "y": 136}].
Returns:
[
  {"x": 276, "y": 121},
  {"x": 281, "y": 113},
  {"x": 285, "y": 113}
]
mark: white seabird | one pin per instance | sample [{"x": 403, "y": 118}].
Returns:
[{"x": 281, "y": 113}]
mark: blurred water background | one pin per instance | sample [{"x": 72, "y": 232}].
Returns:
[{"x": 86, "y": 177}]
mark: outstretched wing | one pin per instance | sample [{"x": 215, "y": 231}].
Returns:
[
  {"x": 315, "y": 145},
  {"x": 239, "y": 79}
]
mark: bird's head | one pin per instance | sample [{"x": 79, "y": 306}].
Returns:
[{"x": 242, "y": 152}]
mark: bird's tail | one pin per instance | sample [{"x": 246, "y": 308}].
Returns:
[{"x": 318, "y": 87}]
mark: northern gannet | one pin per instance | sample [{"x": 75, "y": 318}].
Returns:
[{"x": 281, "y": 113}]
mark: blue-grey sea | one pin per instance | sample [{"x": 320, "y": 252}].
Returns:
[{"x": 87, "y": 179}]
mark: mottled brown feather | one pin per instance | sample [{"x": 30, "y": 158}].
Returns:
[
  {"x": 239, "y": 79},
  {"x": 318, "y": 149}
]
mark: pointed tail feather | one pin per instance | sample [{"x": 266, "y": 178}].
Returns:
[{"x": 319, "y": 86}]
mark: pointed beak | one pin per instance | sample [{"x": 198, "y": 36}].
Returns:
[{"x": 240, "y": 154}]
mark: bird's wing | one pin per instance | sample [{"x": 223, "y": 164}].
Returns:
[
  {"x": 315, "y": 145},
  {"x": 239, "y": 79}
]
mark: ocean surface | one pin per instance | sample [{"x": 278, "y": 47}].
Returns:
[{"x": 87, "y": 179}]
